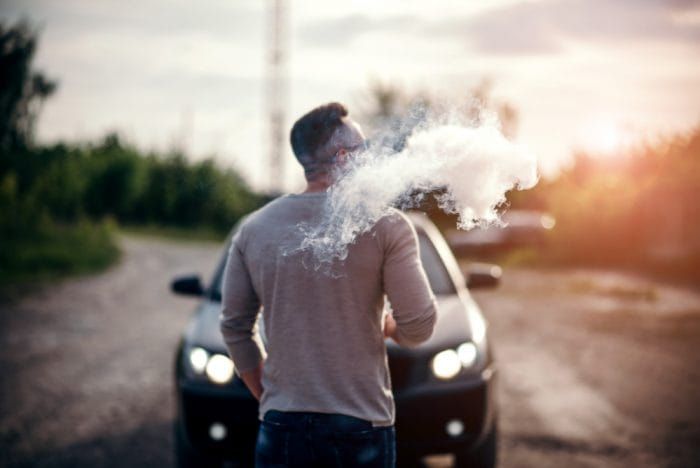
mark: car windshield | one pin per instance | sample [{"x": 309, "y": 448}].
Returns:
[{"x": 439, "y": 279}]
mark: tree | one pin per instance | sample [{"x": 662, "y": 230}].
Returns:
[
  {"x": 22, "y": 91},
  {"x": 392, "y": 112}
]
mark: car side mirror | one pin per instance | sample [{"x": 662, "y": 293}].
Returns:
[
  {"x": 190, "y": 285},
  {"x": 483, "y": 275}
]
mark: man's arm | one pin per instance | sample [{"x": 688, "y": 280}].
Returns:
[
  {"x": 413, "y": 303},
  {"x": 239, "y": 312}
]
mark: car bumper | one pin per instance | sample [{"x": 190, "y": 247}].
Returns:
[
  {"x": 424, "y": 413},
  {"x": 200, "y": 406},
  {"x": 422, "y": 416}
]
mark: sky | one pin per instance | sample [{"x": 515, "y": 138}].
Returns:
[{"x": 583, "y": 74}]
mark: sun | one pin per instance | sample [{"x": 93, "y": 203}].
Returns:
[
  {"x": 607, "y": 138},
  {"x": 602, "y": 136}
]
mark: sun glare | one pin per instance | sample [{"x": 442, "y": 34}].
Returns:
[
  {"x": 608, "y": 138},
  {"x": 602, "y": 136}
]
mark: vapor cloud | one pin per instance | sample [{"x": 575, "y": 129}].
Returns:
[{"x": 471, "y": 167}]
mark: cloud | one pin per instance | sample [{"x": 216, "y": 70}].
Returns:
[
  {"x": 545, "y": 26},
  {"x": 684, "y": 4},
  {"x": 341, "y": 31},
  {"x": 518, "y": 29},
  {"x": 218, "y": 18},
  {"x": 541, "y": 27}
]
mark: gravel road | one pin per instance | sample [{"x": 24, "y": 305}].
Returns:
[{"x": 596, "y": 368}]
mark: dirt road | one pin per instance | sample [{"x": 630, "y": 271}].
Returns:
[
  {"x": 87, "y": 365},
  {"x": 596, "y": 369}
]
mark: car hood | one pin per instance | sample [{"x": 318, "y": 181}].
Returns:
[{"x": 453, "y": 325}]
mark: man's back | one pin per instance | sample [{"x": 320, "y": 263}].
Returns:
[{"x": 325, "y": 345}]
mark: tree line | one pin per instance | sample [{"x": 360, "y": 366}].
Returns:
[
  {"x": 56, "y": 198},
  {"x": 114, "y": 179}
]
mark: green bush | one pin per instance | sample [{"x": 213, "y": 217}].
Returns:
[
  {"x": 53, "y": 200},
  {"x": 55, "y": 249},
  {"x": 114, "y": 179}
]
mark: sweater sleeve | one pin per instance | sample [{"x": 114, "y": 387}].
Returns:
[
  {"x": 406, "y": 285},
  {"x": 239, "y": 312}
]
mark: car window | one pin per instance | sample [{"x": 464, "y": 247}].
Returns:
[{"x": 439, "y": 279}]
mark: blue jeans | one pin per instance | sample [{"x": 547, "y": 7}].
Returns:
[{"x": 305, "y": 439}]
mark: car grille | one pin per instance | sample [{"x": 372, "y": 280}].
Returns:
[{"x": 404, "y": 371}]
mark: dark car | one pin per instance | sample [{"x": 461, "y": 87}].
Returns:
[{"x": 444, "y": 388}]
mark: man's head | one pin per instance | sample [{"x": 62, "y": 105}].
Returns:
[{"x": 323, "y": 137}]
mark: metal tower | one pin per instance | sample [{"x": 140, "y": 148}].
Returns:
[{"x": 277, "y": 91}]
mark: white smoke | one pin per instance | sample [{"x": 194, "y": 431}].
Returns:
[{"x": 471, "y": 167}]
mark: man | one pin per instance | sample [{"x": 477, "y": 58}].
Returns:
[{"x": 323, "y": 382}]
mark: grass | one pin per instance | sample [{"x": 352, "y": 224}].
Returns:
[
  {"x": 198, "y": 234},
  {"x": 56, "y": 250},
  {"x": 52, "y": 250}
]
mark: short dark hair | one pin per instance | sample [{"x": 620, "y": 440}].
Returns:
[{"x": 311, "y": 132}]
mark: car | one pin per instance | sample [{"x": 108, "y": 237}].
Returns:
[
  {"x": 444, "y": 388},
  {"x": 521, "y": 228}
]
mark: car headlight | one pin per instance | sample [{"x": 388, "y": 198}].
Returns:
[
  {"x": 467, "y": 357},
  {"x": 199, "y": 357},
  {"x": 446, "y": 364},
  {"x": 217, "y": 368},
  {"x": 468, "y": 354},
  {"x": 220, "y": 369}
]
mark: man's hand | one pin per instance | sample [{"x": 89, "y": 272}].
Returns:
[
  {"x": 389, "y": 326},
  {"x": 253, "y": 380}
]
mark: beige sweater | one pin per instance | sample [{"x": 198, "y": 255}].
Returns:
[{"x": 325, "y": 346}]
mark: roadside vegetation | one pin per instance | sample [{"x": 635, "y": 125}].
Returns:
[
  {"x": 61, "y": 205},
  {"x": 636, "y": 209}
]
